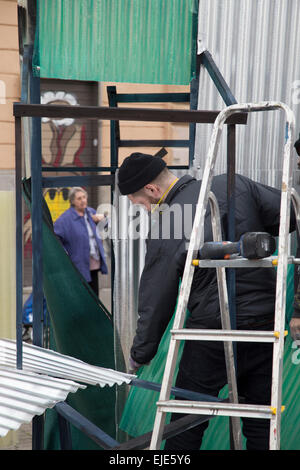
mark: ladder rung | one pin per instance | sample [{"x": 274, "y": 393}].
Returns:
[
  {"x": 226, "y": 335},
  {"x": 220, "y": 409},
  {"x": 240, "y": 262}
]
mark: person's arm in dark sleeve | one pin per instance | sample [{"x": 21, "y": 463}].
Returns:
[
  {"x": 297, "y": 303},
  {"x": 158, "y": 293},
  {"x": 295, "y": 321},
  {"x": 269, "y": 201}
]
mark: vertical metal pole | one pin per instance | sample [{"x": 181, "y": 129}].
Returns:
[
  {"x": 19, "y": 239},
  {"x": 36, "y": 218},
  {"x": 194, "y": 89},
  {"x": 114, "y": 128},
  {"x": 280, "y": 302},
  {"x": 36, "y": 211},
  {"x": 235, "y": 423},
  {"x": 231, "y": 286},
  {"x": 231, "y": 216},
  {"x": 114, "y": 136},
  {"x": 64, "y": 433},
  {"x": 37, "y": 267}
]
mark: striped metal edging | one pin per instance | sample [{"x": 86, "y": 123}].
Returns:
[
  {"x": 25, "y": 394},
  {"x": 47, "y": 378},
  {"x": 54, "y": 364}
]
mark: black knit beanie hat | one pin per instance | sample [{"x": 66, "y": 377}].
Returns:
[{"x": 137, "y": 170}]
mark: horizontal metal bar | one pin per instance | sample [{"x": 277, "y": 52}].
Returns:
[
  {"x": 178, "y": 392},
  {"x": 89, "y": 180},
  {"x": 86, "y": 426},
  {"x": 127, "y": 114},
  {"x": 216, "y": 409},
  {"x": 77, "y": 169},
  {"x": 98, "y": 169},
  {"x": 152, "y": 97},
  {"x": 225, "y": 335},
  {"x": 178, "y": 167},
  {"x": 269, "y": 262},
  {"x": 153, "y": 143},
  {"x": 170, "y": 430}
]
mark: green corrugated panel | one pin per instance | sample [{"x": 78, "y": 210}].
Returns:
[
  {"x": 139, "y": 412},
  {"x": 217, "y": 436},
  {"x": 137, "y": 41},
  {"x": 81, "y": 327}
]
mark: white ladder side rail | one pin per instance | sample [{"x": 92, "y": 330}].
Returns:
[
  {"x": 280, "y": 301},
  {"x": 196, "y": 241},
  {"x": 296, "y": 204},
  {"x": 226, "y": 325}
]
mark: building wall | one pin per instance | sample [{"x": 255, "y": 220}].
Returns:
[
  {"x": 134, "y": 130},
  {"x": 9, "y": 79},
  {"x": 9, "y": 92},
  {"x": 256, "y": 46}
]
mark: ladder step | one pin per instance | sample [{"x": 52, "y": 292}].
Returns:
[
  {"x": 240, "y": 262},
  {"x": 220, "y": 409},
  {"x": 226, "y": 335}
]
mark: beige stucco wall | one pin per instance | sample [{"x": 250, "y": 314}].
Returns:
[
  {"x": 9, "y": 92},
  {"x": 134, "y": 130},
  {"x": 9, "y": 79}
]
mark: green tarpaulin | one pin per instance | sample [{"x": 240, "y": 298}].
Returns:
[
  {"x": 82, "y": 328},
  {"x": 139, "y": 412},
  {"x": 136, "y": 41}
]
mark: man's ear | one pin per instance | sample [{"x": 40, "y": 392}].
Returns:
[{"x": 152, "y": 189}]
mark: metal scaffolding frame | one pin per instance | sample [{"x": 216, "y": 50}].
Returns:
[{"x": 36, "y": 111}]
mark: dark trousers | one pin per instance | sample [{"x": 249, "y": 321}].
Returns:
[
  {"x": 202, "y": 369},
  {"x": 94, "y": 283}
]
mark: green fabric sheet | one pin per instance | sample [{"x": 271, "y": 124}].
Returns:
[
  {"x": 139, "y": 412},
  {"x": 82, "y": 328}
]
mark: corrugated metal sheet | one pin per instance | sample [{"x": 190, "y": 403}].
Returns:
[
  {"x": 130, "y": 251},
  {"x": 47, "y": 377},
  {"x": 52, "y": 363},
  {"x": 256, "y": 46},
  {"x": 257, "y": 49},
  {"x": 26, "y": 394},
  {"x": 138, "y": 41}
]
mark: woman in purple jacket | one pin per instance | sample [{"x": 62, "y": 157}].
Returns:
[{"x": 76, "y": 228}]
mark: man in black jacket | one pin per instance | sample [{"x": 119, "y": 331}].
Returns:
[{"x": 172, "y": 203}]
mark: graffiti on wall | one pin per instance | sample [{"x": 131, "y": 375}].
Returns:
[
  {"x": 68, "y": 138},
  {"x": 64, "y": 141}
]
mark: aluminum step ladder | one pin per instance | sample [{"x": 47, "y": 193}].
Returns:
[{"x": 232, "y": 409}]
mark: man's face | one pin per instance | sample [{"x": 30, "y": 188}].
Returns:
[{"x": 143, "y": 199}]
